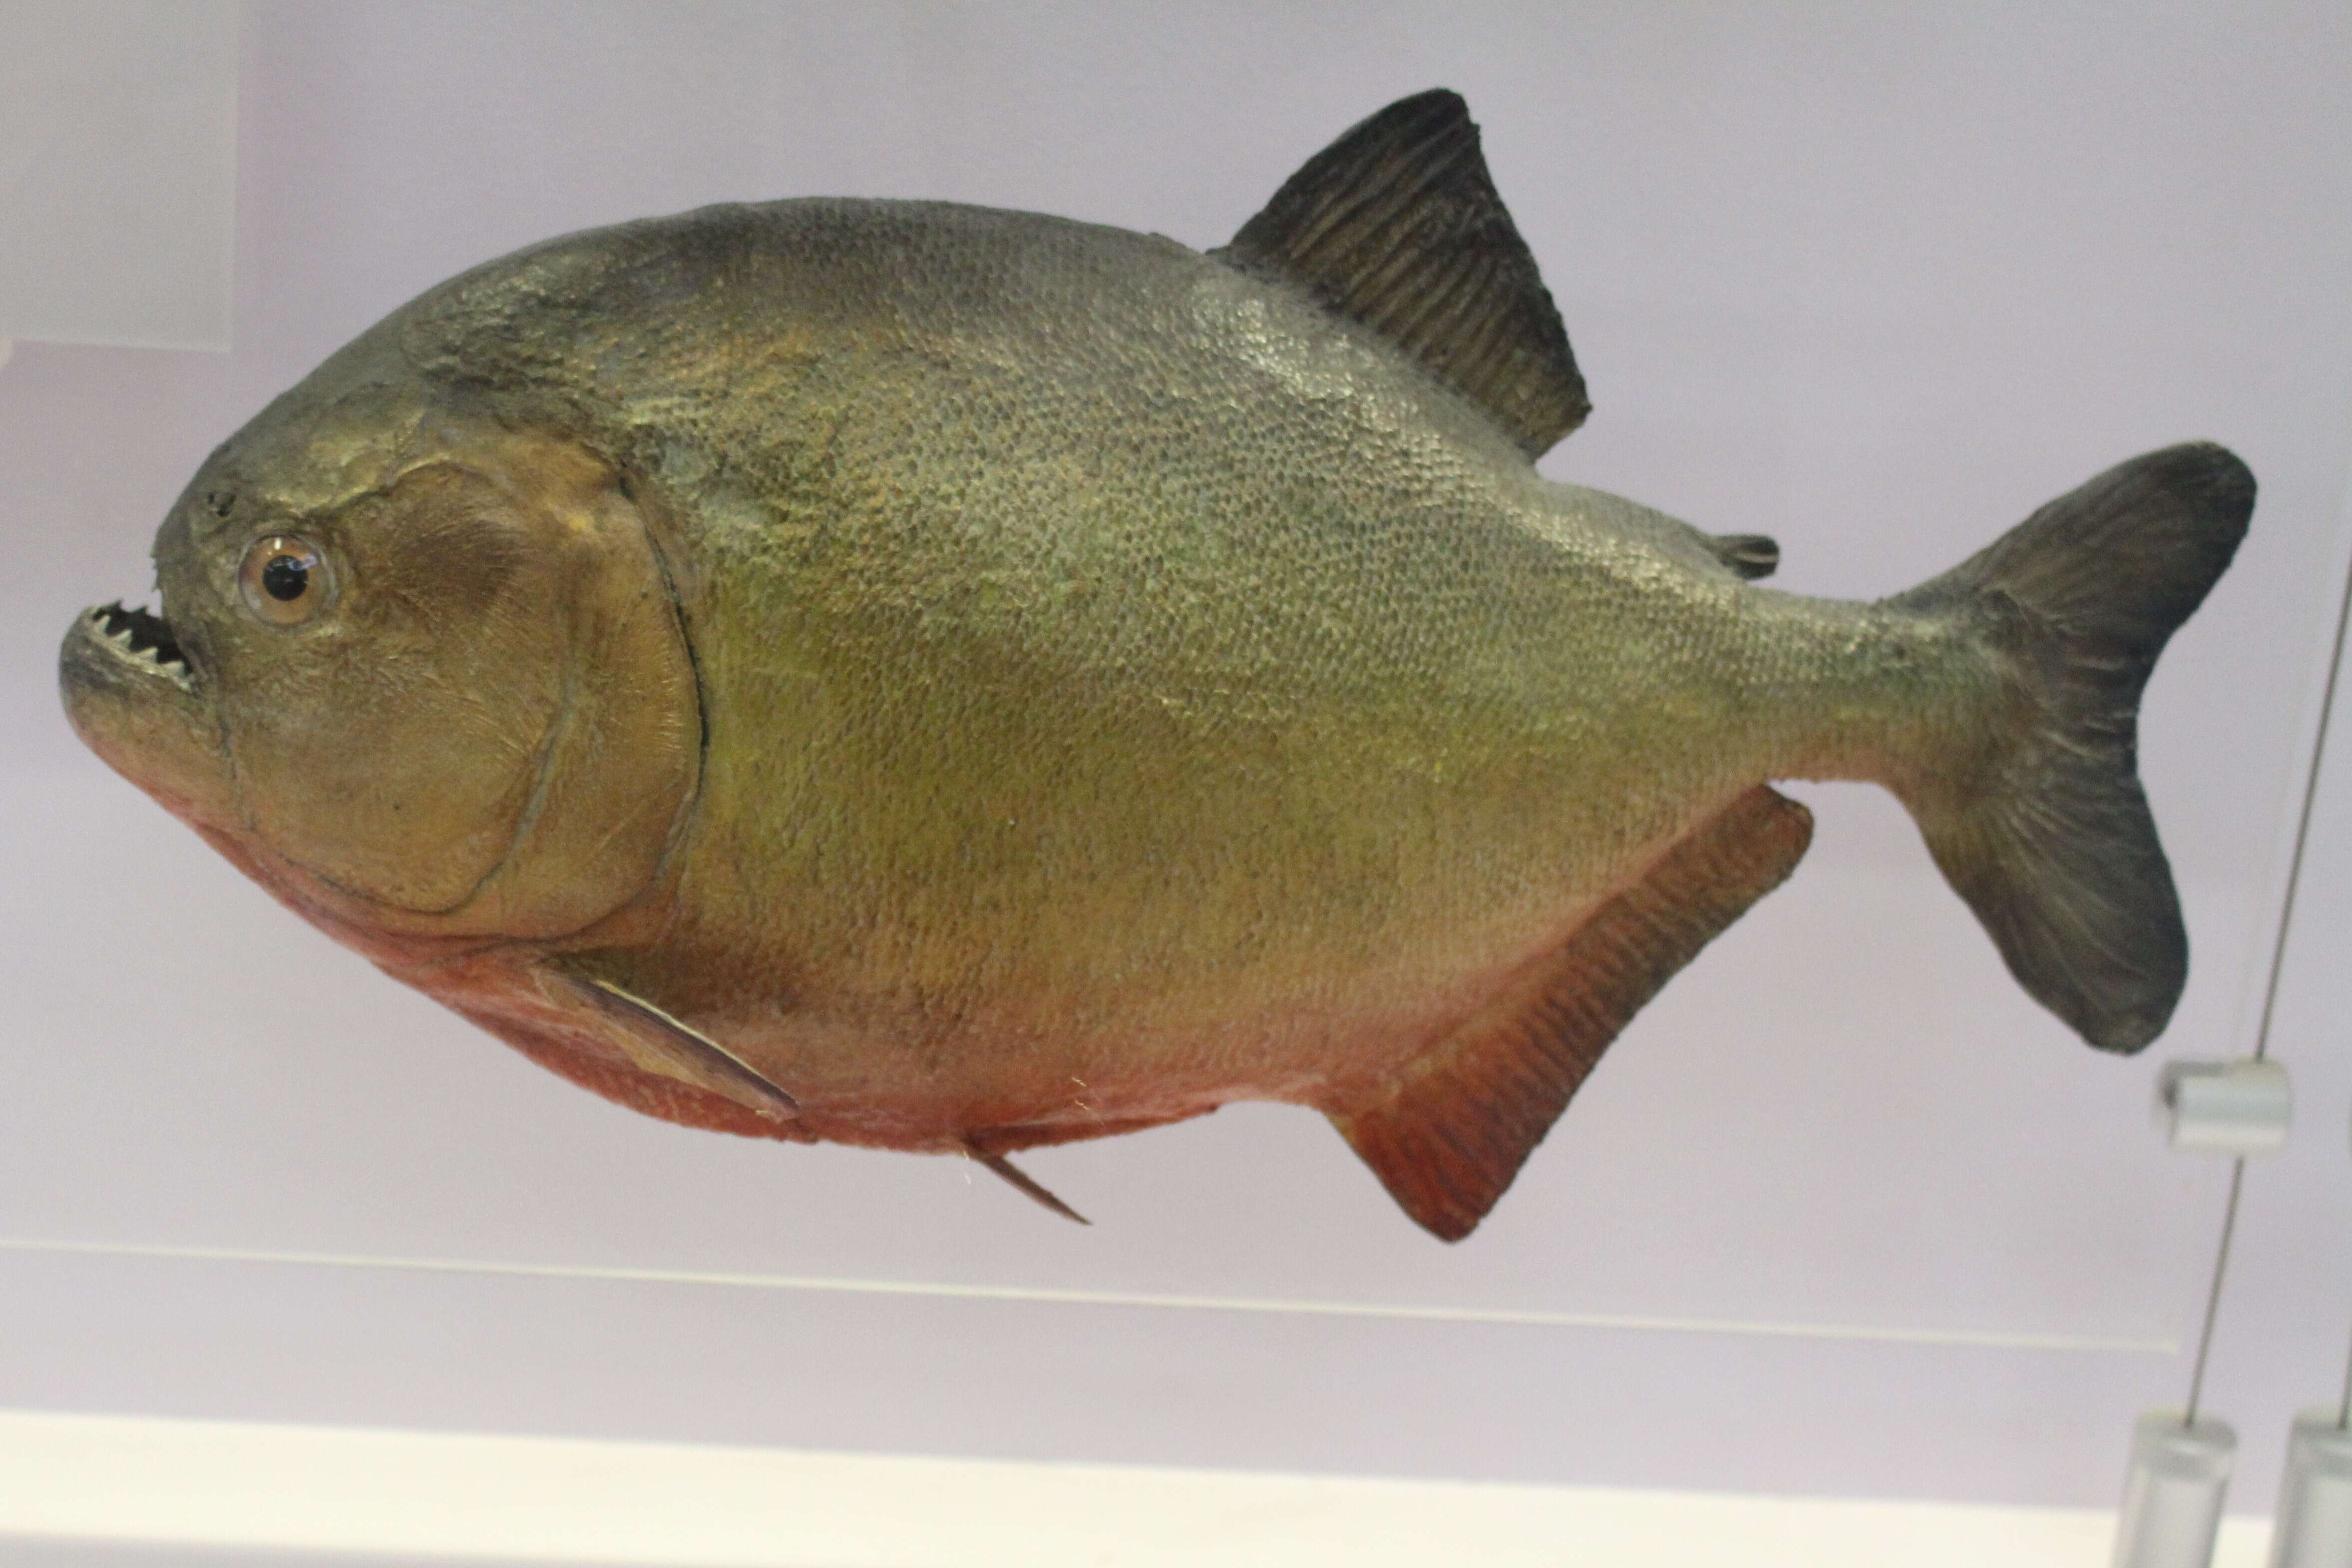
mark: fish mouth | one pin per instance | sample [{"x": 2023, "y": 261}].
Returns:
[
  {"x": 140, "y": 639},
  {"x": 132, "y": 697}
]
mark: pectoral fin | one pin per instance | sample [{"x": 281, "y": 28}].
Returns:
[
  {"x": 656, "y": 1043},
  {"x": 1448, "y": 1134}
]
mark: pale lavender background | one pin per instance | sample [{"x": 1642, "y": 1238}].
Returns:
[
  {"x": 1876, "y": 282},
  {"x": 117, "y": 162}
]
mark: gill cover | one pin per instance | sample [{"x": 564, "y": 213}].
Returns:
[{"x": 493, "y": 728}]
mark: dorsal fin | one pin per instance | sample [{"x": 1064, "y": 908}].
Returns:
[
  {"x": 1448, "y": 1134},
  {"x": 1397, "y": 225}
]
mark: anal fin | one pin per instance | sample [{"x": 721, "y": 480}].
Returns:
[{"x": 1447, "y": 1134}]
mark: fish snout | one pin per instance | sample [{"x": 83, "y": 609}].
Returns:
[{"x": 129, "y": 694}]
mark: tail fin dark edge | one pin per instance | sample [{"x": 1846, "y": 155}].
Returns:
[{"x": 2052, "y": 843}]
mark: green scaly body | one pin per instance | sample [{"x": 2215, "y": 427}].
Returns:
[
  {"x": 957, "y": 680},
  {"x": 1114, "y": 668}
]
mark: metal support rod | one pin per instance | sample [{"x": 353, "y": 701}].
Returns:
[
  {"x": 2295, "y": 877},
  {"x": 2213, "y": 1295},
  {"x": 2173, "y": 1499},
  {"x": 2313, "y": 1527},
  {"x": 2344, "y": 1406},
  {"x": 2270, "y": 1005},
  {"x": 2303, "y": 821}
]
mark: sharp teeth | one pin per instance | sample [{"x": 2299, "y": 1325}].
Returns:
[{"x": 141, "y": 634}]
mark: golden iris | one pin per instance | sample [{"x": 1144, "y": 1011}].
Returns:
[{"x": 285, "y": 579}]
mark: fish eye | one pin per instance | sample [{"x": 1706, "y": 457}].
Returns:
[{"x": 285, "y": 579}]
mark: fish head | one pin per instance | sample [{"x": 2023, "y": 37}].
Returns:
[{"x": 420, "y": 672}]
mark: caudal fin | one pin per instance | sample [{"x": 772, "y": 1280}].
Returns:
[{"x": 2049, "y": 838}]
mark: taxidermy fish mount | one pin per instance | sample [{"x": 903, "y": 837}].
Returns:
[{"x": 958, "y": 680}]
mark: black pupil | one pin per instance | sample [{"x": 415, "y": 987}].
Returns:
[{"x": 285, "y": 577}]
